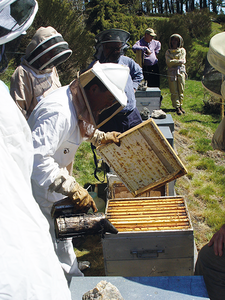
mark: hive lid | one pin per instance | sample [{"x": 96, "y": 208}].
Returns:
[
  {"x": 144, "y": 160},
  {"x": 149, "y": 92}
]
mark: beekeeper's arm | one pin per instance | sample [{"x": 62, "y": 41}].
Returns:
[
  {"x": 135, "y": 73},
  {"x": 67, "y": 185},
  {"x": 157, "y": 47},
  {"x": 21, "y": 89},
  {"x": 48, "y": 131},
  {"x": 171, "y": 61},
  {"x": 218, "y": 241},
  {"x": 138, "y": 46}
]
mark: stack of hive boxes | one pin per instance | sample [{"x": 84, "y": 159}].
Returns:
[
  {"x": 155, "y": 232},
  {"x": 150, "y": 99}
]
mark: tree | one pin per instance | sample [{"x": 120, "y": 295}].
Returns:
[
  {"x": 68, "y": 19},
  {"x": 104, "y": 14}
]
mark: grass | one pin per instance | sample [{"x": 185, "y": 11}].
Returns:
[
  {"x": 90, "y": 249},
  {"x": 204, "y": 184},
  {"x": 84, "y": 166}
]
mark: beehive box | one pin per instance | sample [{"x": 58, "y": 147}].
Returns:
[
  {"x": 149, "y": 99},
  {"x": 119, "y": 190},
  {"x": 116, "y": 189},
  {"x": 144, "y": 160},
  {"x": 168, "y": 121},
  {"x": 155, "y": 237}
]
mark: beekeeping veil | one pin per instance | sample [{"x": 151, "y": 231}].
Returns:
[
  {"x": 114, "y": 78},
  {"x": 181, "y": 41},
  {"x": 214, "y": 72},
  {"x": 109, "y": 36},
  {"x": 16, "y": 16},
  {"x": 47, "y": 49}
]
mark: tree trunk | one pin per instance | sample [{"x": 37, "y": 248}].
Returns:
[
  {"x": 172, "y": 6},
  {"x": 205, "y": 4},
  {"x": 178, "y": 6},
  {"x": 214, "y": 6}
]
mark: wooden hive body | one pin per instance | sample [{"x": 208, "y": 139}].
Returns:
[
  {"x": 150, "y": 99},
  {"x": 155, "y": 237}
]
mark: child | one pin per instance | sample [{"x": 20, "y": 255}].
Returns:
[{"x": 175, "y": 60}]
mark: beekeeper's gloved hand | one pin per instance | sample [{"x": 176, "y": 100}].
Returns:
[
  {"x": 82, "y": 200},
  {"x": 66, "y": 185},
  {"x": 110, "y": 137},
  {"x": 100, "y": 137}
]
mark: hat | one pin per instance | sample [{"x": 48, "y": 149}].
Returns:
[
  {"x": 150, "y": 31},
  {"x": 47, "y": 49},
  {"x": 216, "y": 53},
  {"x": 15, "y": 18},
  {"x": 113, "y": 76},
  {"x": 112, "y": 35}
]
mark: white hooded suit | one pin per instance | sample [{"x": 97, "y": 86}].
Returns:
[
  {"x": 59, "y": 124},
  {"x": 29, "y": 268}
]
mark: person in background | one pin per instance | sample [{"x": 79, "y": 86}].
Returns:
[
  {"x": 59, "y": 124},
  {"x": 110, "y": 46},
  {"x": 37, "y": 75},
  {"x": 150, "y": 49},
  {"x": 29, "y": 267},
  {"x": 175, "y": 60}
]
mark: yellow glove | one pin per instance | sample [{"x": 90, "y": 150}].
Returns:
[
  {"x": 66, "y": 185},
  {"x": 81, "y": 198},
  {"x": 110, "y": 137}
]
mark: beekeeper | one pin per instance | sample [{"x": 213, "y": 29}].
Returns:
[
  {"x": 110, "y": 47},
  {"x": 59, "y": 124},
  {"x": 29, "y": 267},
  {"x": 211, "y": 258},
  {"x": 149, "y": 48},
  {"x": 176, "y": 60},
  {"x": 37, "y": 75}
]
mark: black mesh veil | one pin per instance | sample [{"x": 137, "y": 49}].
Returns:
[
  {"x": 212, "y": 80},
  {"x": 16, "y": 16}
]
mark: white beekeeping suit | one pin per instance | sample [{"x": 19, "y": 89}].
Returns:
[
  {"x": 216, "y": 57},
  {"x": 29, "y": 268},
  {"x": 59, "y": 124}
]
